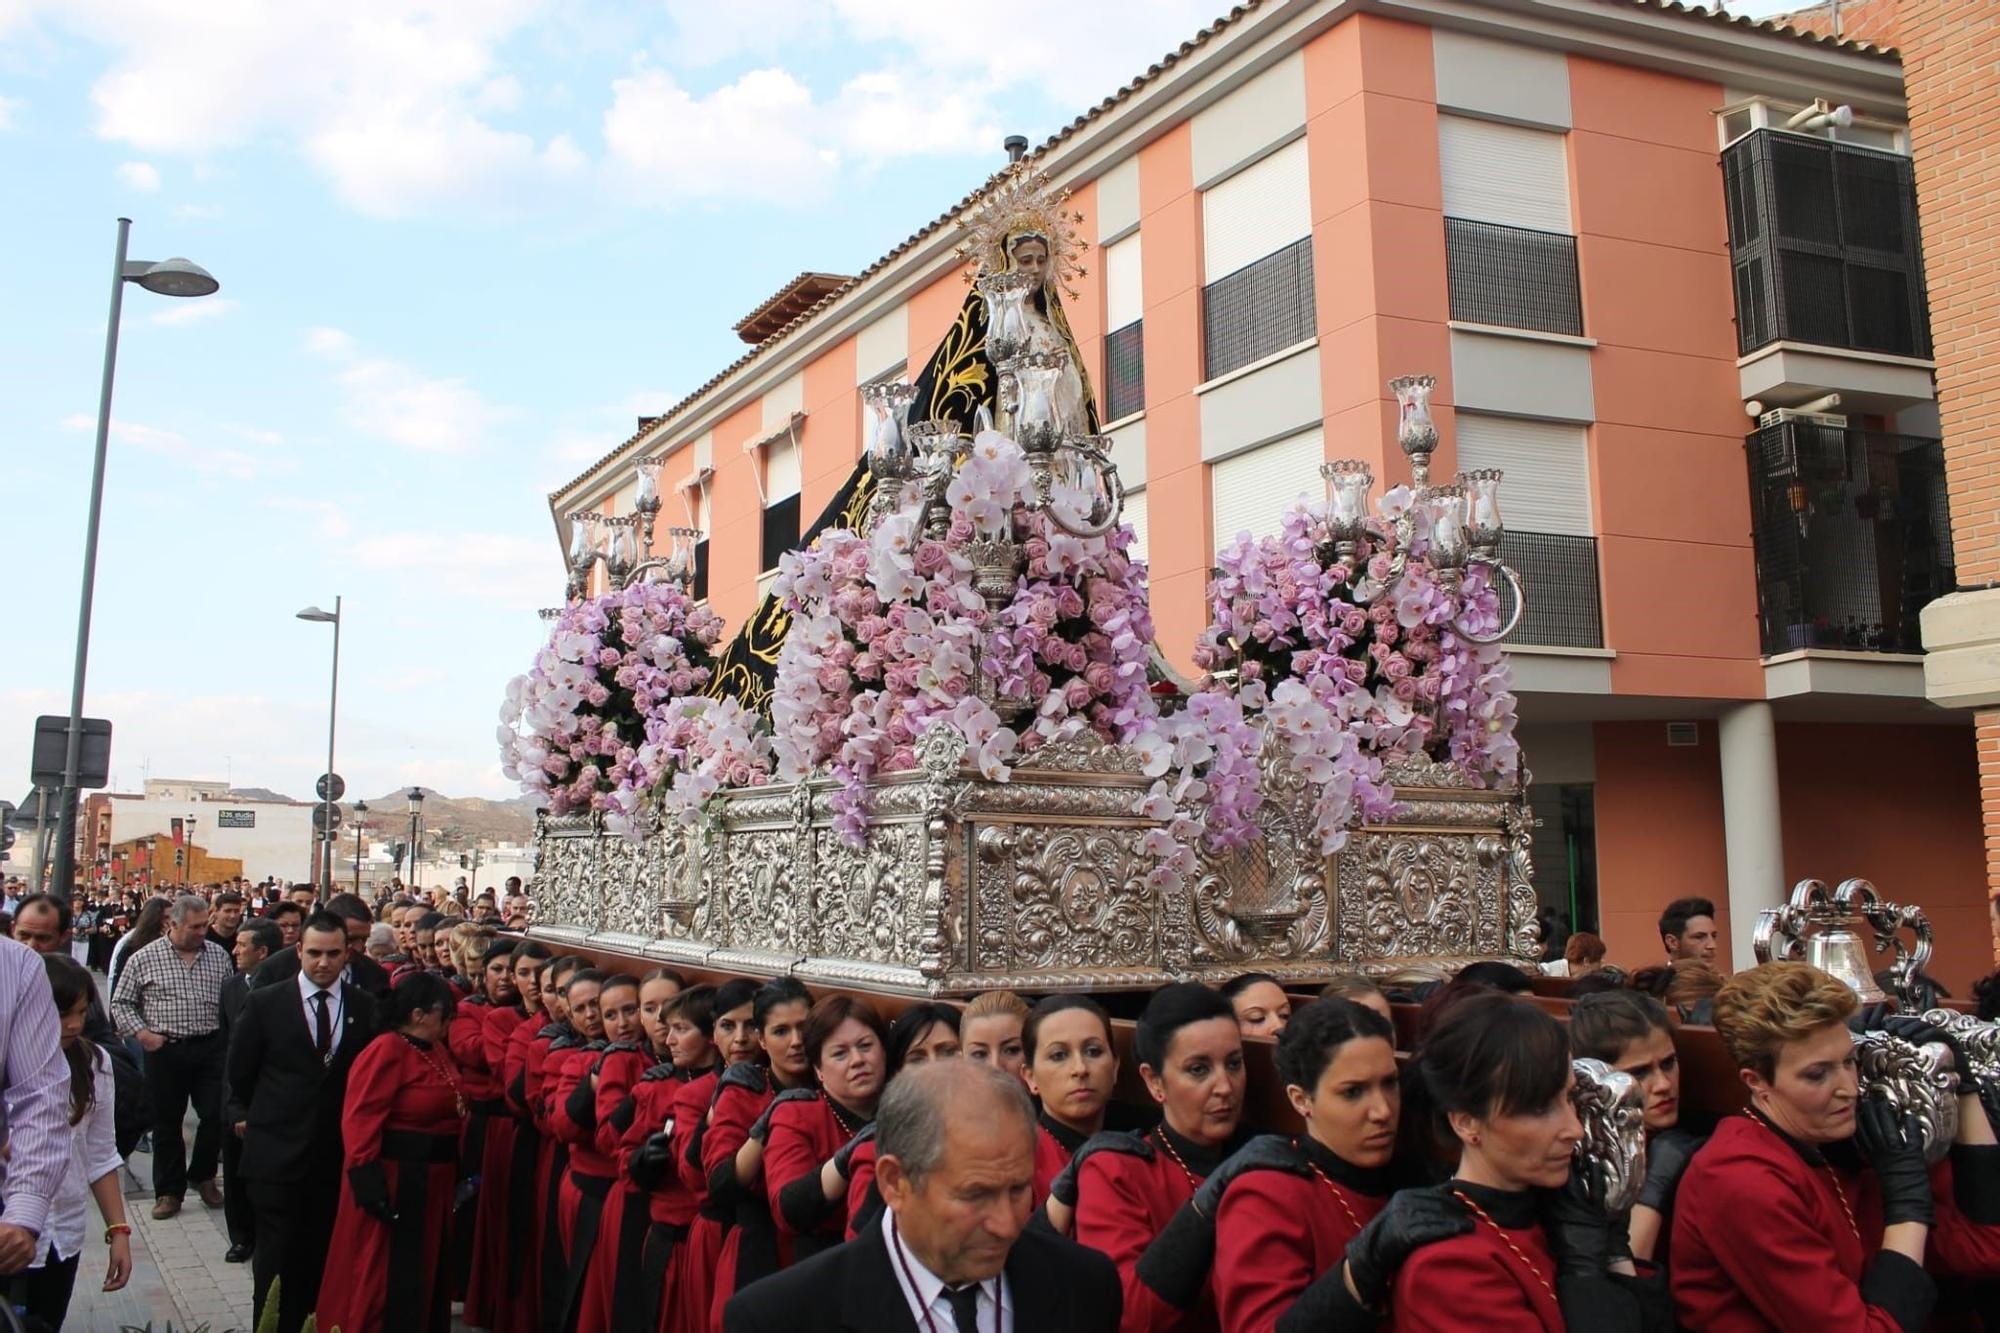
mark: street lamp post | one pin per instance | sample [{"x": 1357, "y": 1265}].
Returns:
[
  {"x": 170, "y": 277},
  {"x": 416, "y": 802},
  {"x": 360, "y": 814},
  {"x": 187, "y": 852},
  {"x": 327, "y": 797}
]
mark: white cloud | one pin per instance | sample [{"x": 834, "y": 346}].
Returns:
[
  {"x": 232, "y": 463},
  {"x": 389, "y": 399},
  {"x": 8, "y": 106},
  {"x": 141, "y": 176},
  {"x": 516, "y": 572},
  {"x": 191, "y": 312},
  {"x": 329, "y": 520}
]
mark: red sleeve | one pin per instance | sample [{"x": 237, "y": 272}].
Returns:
[
  {"x": 617, "y": 1080},
  {"x": 1460, "y": 1287},
  {"x": 792, "y": 1151},
  {"x": 558, "y": 1084},
  {"x": 1114, "y": 1216},
  {"x": 860, "y": 1175},
  {"x": 1765, "y": 1242},
  {"x": 498, "y": 1033},
  {"x": 1959, "y": 1246},
  {"x": 372, "y": 1083},
  {"x": 1263, "y": 1251},
  {"x": 545, "y": 1069},
  {"x": 690, "y": 1105},
  {"x": 729, "y": 1124},
  {"x": 466, "y": 1039},
  {"x": 514, "y": 1066}
]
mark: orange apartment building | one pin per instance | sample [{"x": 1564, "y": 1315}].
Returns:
[{"x": 1612, "y": 228}]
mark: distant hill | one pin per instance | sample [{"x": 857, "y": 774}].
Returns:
[{"x": 473, "y": 818}]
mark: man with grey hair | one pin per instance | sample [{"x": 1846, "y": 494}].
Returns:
[
  {"x": 169, "y": 1000},
  {"x": 955, "y": 1164}
]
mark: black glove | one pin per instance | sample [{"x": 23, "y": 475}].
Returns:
[
  {"x": 662, "y": 1070},
  {"x": 1414, "y": 1218},
  {"x": 1893, "y": 1145},
  {"x": 581, "y": 1105},
  {"x": 1667, "y": 1156},
  {"x": 846, "y": 1153},
  {"x": 369, "y": 1184},
  {"x": 760, "y": 1129},
  {"x": 650, "y": 1162},
  {"x": 1266, "y": 1152},
  {"x": 1582, "y": 1233},
  {"x": 1869, "y": 1017},
  {"x": 1063, "y": 1188},
  {"x": 744, "y": 1074}
]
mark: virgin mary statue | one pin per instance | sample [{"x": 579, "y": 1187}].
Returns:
[{"x": 1021, "y": 227}]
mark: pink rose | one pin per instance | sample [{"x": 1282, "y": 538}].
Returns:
[
  {"x": 1076, "y": 693},
  {"x": 1397, "y": 667}
]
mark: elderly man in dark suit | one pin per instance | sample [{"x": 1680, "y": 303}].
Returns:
[
  {"x": 956, "y": 1167},
  {"x": 289, "y": 1054}
]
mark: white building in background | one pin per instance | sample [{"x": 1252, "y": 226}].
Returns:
[{"x": 270, "y": 838}]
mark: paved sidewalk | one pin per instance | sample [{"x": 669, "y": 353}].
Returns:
[{"x": 177, "y": 1268}]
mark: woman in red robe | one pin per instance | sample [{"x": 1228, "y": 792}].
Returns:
[
  {"x": 492, "y": 986},
  {"x": 731, "y": 1140},
  {"x": 1779, "y": 1223},
  {"x": 387, "y": 1270},
  {"x": 1124, "y": 1191},
  {"x": 578, "y": 1190},
  {"x": 807, "y": 1190},
  {"x": 921, "y": 1033},
  {"x": 1537, "y": 1257},
  {"x": 1630, "y": 1031},
  {"x": 1279, "y": 1230},
  {"x": 526, "y": 1089},
  {"x": 691, "y": 1276},
  {"x": 621, "y": 1293},
  {"x": 490, "y": 1285},
  {"x": 1071, "y": 1066}
]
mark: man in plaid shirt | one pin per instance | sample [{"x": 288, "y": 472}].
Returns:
[{"x": 169, "y": 999}]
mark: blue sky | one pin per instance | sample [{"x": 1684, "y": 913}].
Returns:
[{"x": 462, "y": 244}]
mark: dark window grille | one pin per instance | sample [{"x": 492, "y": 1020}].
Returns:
[
  {"x": 1513, "y": 276},
  {"x": 700, "y": 588},
  {"x": 1564, "y": 853},
  {"x": 1852, "y": 531},
  {"x": 1559, "y": 571},
  {"x": 781, "y": 529},
  {"x": 1824, "y": 237},
  {"x": 1259, "y": 309},
  {"x": 1124, "y": 371}
]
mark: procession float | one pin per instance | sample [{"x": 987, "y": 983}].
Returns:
[{"x": 946, "y": 755}]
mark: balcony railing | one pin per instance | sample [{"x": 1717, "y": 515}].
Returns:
[
  {"x": 1259, "y": 309},
  {"x": 1512, "y": 276},
  {"x": 1824, "y": 241},
  {"x": 1853, "y": 536},
  {"x": 1565, "y": 608}
]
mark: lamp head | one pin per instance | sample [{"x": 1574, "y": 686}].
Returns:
[
  {"x": 318, "y": 616},
  {"x": 416, "y": 799},
  {"x": 178, "y": 277}
]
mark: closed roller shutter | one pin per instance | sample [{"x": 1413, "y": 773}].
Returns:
[
  {"x": 1251, "y": 491},
  {"x": 1123, "y": 299},
  {"x": 1547, "y": 466},
  {"x": 1135, "y": 517},
  {"x": 781, "y": 469},
  {"x": 1504, "y": 174},
  {"x": 1258, "y": 211}
]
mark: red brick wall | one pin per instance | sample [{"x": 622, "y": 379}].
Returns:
[{"x": 1950, "y": 50}]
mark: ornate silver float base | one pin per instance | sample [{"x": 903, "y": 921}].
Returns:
[{"x": 1039, "y": 883}]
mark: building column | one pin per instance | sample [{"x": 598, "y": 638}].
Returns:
[{"x": 1751, "y": 826}]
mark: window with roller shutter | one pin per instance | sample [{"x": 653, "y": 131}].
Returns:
[
  {"x": 1257, "y": 262},
  {"x": 781, "y": 500},
  {"x": 1545, "y": 502},
  {"x": 1124, "y": 346},
  {"x": 1251, "y": 491},
  {"x": 1135, "y": 518},
  {"x": 1510, "y": 256}
]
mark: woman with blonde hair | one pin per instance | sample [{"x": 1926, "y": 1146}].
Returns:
[{"x": 1815, "y": 1207}]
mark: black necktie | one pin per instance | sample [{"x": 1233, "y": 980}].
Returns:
[
  {"x": 322, "y": 1026},
  {"x": 964, "y": 1307}
]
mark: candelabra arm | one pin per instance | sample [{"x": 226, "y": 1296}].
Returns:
[
  {"x": 1505, "y": 571},
  {"x": 1107, "y": 472}
]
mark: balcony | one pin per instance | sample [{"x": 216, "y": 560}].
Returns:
[
  {"x": 1824, "y": 241},
  {"x": 1512, "y": 277},
  {"x": 1852, "y": 534},
  {"x": 1565, "y": 608}
]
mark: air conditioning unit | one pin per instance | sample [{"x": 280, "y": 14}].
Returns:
[{"x": 1782, "y": 415}]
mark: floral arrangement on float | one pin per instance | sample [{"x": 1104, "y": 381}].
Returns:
[
  {"x": 993, "y": 592},
  {"x": 1349, "y": 642},
  {"x": 609, "y": 718}
]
